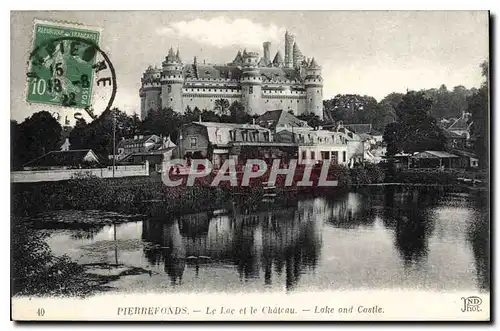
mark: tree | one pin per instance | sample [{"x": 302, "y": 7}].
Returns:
[
  {"x": 37, "y": 135},
  {"x": 415, "y": 129},
  {"x": 238, "y": 114},
  {"x": 351, "y": 108},
  {"x": 478, "y": 107},
  {"x": 221, "y": 105},
  {"x": 311, "y": 119},
  {"x": 78, "y": 137}
]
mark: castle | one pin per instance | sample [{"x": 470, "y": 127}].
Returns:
[{"x": 260, "y": 84}]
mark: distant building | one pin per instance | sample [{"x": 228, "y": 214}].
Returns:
[
  {"x": 72, "y": 159},
  {"x": 294, "y": 83},
  {"x": 138, "y": 144}
]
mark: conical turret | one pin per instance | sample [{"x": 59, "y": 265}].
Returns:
[
  {"x": 278, "y": 60},
  {"x": 297, "y": 56}
]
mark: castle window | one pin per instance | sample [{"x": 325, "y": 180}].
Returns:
[
  {"x": 191, "y": 99},
  {"x": 169, "y": 88},
  {"x": 171, "y": 99},
  {"x": 297, "y": 101},
  {"x": 250, "y": 89},
  {"x": 281, "y": 101}
]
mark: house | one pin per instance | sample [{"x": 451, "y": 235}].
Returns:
[
  {"x": 220, "y": 141},
  {"x": 435, "y": 159},
  {"x": 72, "y": 159},
  {"x": 467, "y": 159},
  {"x": 316, "y": 145},
  {"x": 461, "y": 126},
  {"x": 277, "y": 120},
  {"x": 355, "y": 146},
  {"x": 156, "y": 155},
  {"x": 455, "y": 140},
  {"x": 137, "y": 144}
]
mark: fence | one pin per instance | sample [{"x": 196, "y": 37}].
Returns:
[{"x": 31, "y": 176}]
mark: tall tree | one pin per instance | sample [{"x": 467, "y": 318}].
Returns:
[
  {"x": 37, "y": 135},
  {"x": 415, "y": 129}
]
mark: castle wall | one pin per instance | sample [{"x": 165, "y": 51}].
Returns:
[
  {"x": 143, "y": 113},
  {"x": 206, "y": 100},
  {"x": 152, "y": 100}
]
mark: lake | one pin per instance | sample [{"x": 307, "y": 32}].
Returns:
[{"x": 379, "y": 238}]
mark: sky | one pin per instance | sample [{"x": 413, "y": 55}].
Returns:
[{"x": 361, "y": 52}]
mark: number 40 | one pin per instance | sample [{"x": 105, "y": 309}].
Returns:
[{"x": 40, "y": 312}]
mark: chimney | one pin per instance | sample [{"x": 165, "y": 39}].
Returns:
[
  {"x": 267, "y": 57},
  {"x": 253, "y": 121},
  {"x": 199, "y": 119}
]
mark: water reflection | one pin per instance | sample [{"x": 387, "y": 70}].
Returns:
[
  {"x": 284, "y": 240},
  {"x": 419, "y": 238}
]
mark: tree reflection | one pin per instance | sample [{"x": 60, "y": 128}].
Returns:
[
  {"x": 479, "y": 238},
  {"x": 405, "y": 212}
]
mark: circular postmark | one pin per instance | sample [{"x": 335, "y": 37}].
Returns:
[{"x": 67, "y": 71}]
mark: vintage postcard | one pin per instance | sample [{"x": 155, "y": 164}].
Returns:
[{"x": 250, "y": 166}]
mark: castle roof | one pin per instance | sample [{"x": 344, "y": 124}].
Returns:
[
  {"x": 238, "y": 59},
  {"x": 269, "y": 74},
  {"x": 278, "y": 59},
  {"x": 313, "y": 64}
]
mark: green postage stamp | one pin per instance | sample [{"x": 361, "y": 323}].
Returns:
[{"x": 61, "y": 64}]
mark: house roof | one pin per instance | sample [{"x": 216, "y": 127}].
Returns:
[
  {"x": 434, "y": 155},
  {"x": 359, "y": 128},
  {"x": 271, "y": 118},
  {"x": 151, "y": 152},
  {"x": 229, "y": 125},
  {"x": 455, "y": 135},
  {"x": 130, "y": 141},
  {"x": 461, "y": 123},
  {"x": 61, "y": 158}
]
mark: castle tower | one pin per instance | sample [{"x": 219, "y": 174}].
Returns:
[
  {"x": 289, "y": 38},
  {"x": 172, "y": 80},
  {"x": 314, "y": 89},
  {"x": 297, "y": 56},
  {"x": 150, "y": 91},
  {"x": 251, "y": 83},
  {"x": 267, "y": 55}
]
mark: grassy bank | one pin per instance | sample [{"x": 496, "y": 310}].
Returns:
[{"x": 136, "y": 195}]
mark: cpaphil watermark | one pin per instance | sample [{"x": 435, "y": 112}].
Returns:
[{"x": 187, "y": 174}]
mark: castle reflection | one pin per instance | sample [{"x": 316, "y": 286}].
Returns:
[
  {"x": 286, "y": 240},
  {"x": 283, "y": 241}
]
